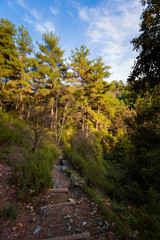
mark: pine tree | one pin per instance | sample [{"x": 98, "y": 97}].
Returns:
[
  {"x": 80, "y": 75},
  {"x": 97, "y": 88},
  {"x": 25, "y": 48},
  {"x": 9, "y": 65},
  {"x": 51, "y": 70},
  {"x": 9, "y": 62},
  {"x": 146, "y": 71}
]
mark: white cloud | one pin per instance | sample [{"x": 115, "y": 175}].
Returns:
[
  {"x": 21, "y": 3},
  {"x": 83, "y": 13},
  {"x": 32, "y": 11},
  {"x": 34, "y": 17},
  {"x": 10, "y": 3},
  {"x": 40, "y": 27},
  {"x": 35, "y": 14},
  {"x": 109, "y": 28},
  {"x": 27, "y": 19},
  {"x": 53, "y": 10},
  {"x": 47, "y": 26},
  {"x": 70, "y": 13}
]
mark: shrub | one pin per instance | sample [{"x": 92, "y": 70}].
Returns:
[
  {"x": 34, "y": 173},
  {"x": 10, "y": 211},
  {"x": 11, "y": 130},
  {"x": 76, "y": 161},
  {"x": 85, "y": 156}
]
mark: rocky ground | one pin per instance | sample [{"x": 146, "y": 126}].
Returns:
[{"x": 38, "y": 220}]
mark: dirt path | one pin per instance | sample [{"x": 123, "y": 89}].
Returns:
[{"x": 35, "y": 221}]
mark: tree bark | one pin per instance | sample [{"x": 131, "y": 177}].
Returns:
[
  {"x": 52, "y": 119},
  {"x": 28, "y": 113},
  {"x": 21, "y": 107},
  {"x": 64, "y": 115},
  {"x": 17, "y": 104},
  {"x": 98, "y": 117},
  {"x": 83, "y": 124},
  {"x": 56, "y": 117},
  {"x": 87, "y": 125}
]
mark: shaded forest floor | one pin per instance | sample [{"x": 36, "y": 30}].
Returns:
[{"x": 34, "y": 223}]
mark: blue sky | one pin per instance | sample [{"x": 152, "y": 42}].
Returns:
[{"x": 106, "y": 27}]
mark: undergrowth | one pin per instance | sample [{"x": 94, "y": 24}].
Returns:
[
  {"x": 31, "y": 170},
  {"x": 133, "y": 207},
  {"x": 10, "y": 211}
]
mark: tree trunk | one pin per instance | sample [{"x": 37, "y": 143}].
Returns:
[
  {"x": 52, "y": 119},
  {"x": 17, "y": 104},
  {"x": 36, "y": 139},
  {"x": 63, "y": 120},
  {"x": 98, "y": 117},
  {"x": 83, "y": 124},
  {"x": 87, "y": 125},
  {"x": 28, "y": 113},
  {"x": 0, "y": 105},
  {"x": 56, "y": 117},
  {"x": 21, "y": 107}
]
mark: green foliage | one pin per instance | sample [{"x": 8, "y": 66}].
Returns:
[
  {"x": 33, "y": 170},
  {"x": 85, "y": 157},
  {"x": 146, "y": 72},
  {"x": 34, "y": 173},
  {"x": 9, "y": 64},
  {"x": 9, "y": 136},
  {"x": 10, "y": 211},
  {"x": 121, "y": 228},
  {"x": 11, "y": 130}
]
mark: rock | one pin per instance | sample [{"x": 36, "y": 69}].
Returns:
[
  {"x": 71, "y": 200},
  {"x": 64, "y": 168},
  {"x": 32, "y": 191},
  {"x": 50, "y": 235},
  {"x": 100, "y": 238},
  {"x": 67, "y": 216},
  {"x": 68, "y": 227},
  {"x": 106, "y": 225},
  {"x": 113, "y": 224},
  {"x": 45, "y": 211},
  {"x": 98, "y": 221},
  {"x": 67, "y": 224},
  {"x": 64, "y": 162},
  {"x": 134, "y": 235},
  {"x": 72, "y": 185},
  {"x": 100, "y": 230},
  {"x": 38, "y": 228},
  {"x": 32, "y": 219},
  {"x": 84, "y": 223},
  {"x": 78, "y": 230}
]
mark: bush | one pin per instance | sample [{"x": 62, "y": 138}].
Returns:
[
  {"x": 35, "y": 171},
  {"x": 11, "y": 130},
  {"x": 10, "y": 211},
  {"x": 85, "y": 156},
  {"x": 76, "y": 161}
]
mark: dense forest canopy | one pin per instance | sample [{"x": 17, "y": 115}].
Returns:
[{"x": 109, "y": 132}]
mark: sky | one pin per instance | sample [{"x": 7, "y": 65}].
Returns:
[{"x": 106, "y": 27}]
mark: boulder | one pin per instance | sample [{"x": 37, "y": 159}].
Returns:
[{"x": 64, "y": 168}]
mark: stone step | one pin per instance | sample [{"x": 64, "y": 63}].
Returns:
[
  {"x": 58, "y": 205},
  {"x": 58, "y": 190},
  {"x": 72, "y": 237}
]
